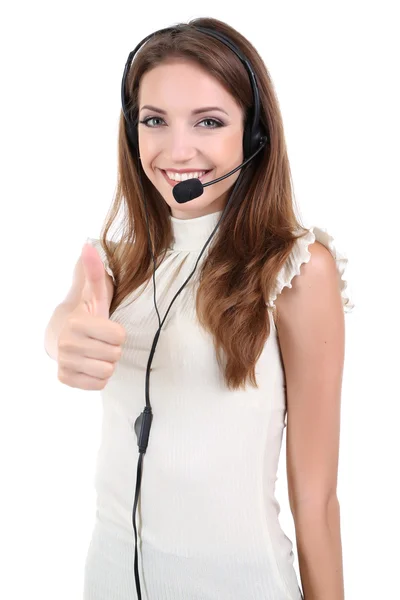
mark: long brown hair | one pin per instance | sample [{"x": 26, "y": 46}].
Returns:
[{"x": 259, "y": 227}]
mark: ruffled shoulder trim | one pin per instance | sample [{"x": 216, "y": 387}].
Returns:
[
  {"x": 95, "y": 242},
  {"x": 300, "y": 255}
]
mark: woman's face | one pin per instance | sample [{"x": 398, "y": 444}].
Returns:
[{"x": 174, "y": 138}]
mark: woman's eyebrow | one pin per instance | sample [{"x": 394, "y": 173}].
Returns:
[{"x": 194, "y": 112}]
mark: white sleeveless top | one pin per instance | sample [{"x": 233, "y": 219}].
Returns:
[{"x": 207, "y": 517}]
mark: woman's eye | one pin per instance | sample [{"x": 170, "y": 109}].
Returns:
[
  {"x": 147, "y": 121},
  {"x": 217, "y": 123}
]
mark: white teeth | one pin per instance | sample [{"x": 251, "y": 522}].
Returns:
[{"x": 184, "y": 176}]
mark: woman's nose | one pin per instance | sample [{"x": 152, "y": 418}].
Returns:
[{"x": 181, "y": 146}]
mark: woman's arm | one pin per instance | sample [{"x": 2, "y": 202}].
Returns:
[{"x": 310, "y": 325}]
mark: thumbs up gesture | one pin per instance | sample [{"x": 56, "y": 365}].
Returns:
[
  {"x": 95, "y": 293},
  {"x": 89, "y": 344}
]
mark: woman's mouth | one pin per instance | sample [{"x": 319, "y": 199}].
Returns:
[{"x": 172, "y": 182}]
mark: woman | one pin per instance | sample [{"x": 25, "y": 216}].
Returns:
[{"x": 256, "y": 335}]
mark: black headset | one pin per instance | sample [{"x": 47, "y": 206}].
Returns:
[
  {"x": 254, "y": 139},
  {"x": 253, "y": 131}
]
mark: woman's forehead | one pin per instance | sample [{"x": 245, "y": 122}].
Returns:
[{"x": 183, "y": 85}]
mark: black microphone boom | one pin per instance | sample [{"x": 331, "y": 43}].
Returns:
[{"x": 193, "y": 188}]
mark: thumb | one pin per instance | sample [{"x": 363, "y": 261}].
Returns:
[{"x": 94, "y": 293}]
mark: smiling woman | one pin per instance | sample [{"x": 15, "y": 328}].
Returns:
[{"x": 252, "y": 342}]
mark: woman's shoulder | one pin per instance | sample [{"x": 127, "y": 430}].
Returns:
[{"x": 301, "y": 254}]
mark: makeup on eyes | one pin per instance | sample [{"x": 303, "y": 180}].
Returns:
[{"x": 217, "y": 122}]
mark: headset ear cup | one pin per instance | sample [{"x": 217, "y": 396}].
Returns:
[
  {"x": 247, "y": 141},
  {"x": 251, "y": 140},
  {"x": 131, "y": 133}
]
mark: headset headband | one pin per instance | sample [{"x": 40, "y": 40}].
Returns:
[{"x": 254, "y": 134}]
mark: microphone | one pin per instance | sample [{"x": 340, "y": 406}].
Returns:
[{"x": 187, "y": 190}]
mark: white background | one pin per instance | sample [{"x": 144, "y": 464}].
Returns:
[{"x": 335, "y": 72}]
